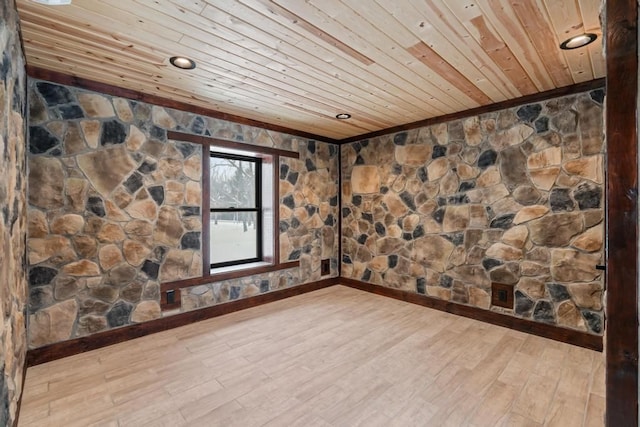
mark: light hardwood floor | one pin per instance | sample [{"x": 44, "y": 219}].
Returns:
[{"x": 334, "y": 357}]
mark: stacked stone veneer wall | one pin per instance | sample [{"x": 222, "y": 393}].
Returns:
[
  {"x": 13, "y": 208},
  {"x": 513, "y": 197},
  {"x": 115, "y": 210}
]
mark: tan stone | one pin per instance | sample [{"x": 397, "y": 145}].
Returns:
[
  {"x": 449, "y": 184},
  {"x": 516, "y": 236},
  {"x": 170, "y": 168},
  {"x": 556, "y": 229},
  {"x": 123, "y": 110},
  {"x": 590, "y": 240},
  {"x": 76, "y": 190},
  {"x": 410, "y": 222},
  {"x": 529, "y": 213},
  {"x": 478, "y": 216},
  {"x": 134, "y": 252},
  {"x": 587, "y": 167},
  {"x": 86, "y": 246},
  {"x": 37, "y": 224},
  {"x": 586, "y": 295},
  {"x": 568, "y": 265},
  {"x": 73, "y": 140},
  {"x": 365, "y": 180},
  {"x": 466, "y": 172},
  {"x": 193, "y": 168},
  {"x": 91, "y": 131},
  {"x": 479, "y": 298},
  {"x": 168, "y": 228},
  {"x": 67, "y": 224},
  {"x": 136, "y": 138},
  {"x": 440, "y": 133},
  {"x": 96, "y": 106},
  {"x": 114, "y": 213},
  {"x": 379, "y": 264},
  {"x": 544, "y": 178},
  {"x": 456, "y": 218},
  {"x": 532, "y": 287},
  {"x": 514, "y": 136},
  {"x": 489, "y": 195},
  {"x": 138, "y": 228},
  {"x": 46, "y": 181},
  {"x": 394, "y": 231},
  {"x": 489, "y": 177},
  {"x": 145, "y": 311},
  {"x": 396, "y": 206},
  {"x": 504, "y": 252},
  {"x": 161, "y": 118},
  {"x": 438, "y": 168},
  {"x": 474, "y": 275},
  {"x": 568, "y": 315},
  {"x": 413, "y": 155},
  {"x": 82, "y": 268},
  {"x": 432, "y": 251},
  {"x": 111, "y": 233},
  {"x": 530, "y": 268},
  {"x": 52, "y": 324},
  {"x": 142, "y": 209},
  {"x": 193, "y": 194},
  {"x": 109, "y": 256},
  {"x": 177, "y": 265},
  {"x": 107, "y": 168},
  {"x": 43, "y": 249},
  {"x": 551, "y": 156},
  {"x": 472, "y": 131}
]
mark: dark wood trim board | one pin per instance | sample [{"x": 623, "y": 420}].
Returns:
[
  {"x": 68, "y": 80},
  {"x": 102, "y": 339},
  {"x": 621, "y": 19},
  {"x": 582, "y": 339},
  {"x": 509, "y": 103}
]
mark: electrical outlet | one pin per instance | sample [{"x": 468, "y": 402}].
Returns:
[
  {"x": 325, "y": 267},
  {"x": 502, "y": 295}
]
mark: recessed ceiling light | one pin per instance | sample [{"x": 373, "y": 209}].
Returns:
[
  {"x": 578, "y": 41},
  {"x": 343, "y": 116},
  {"x": 53, "y": 2},
  {"x": 182, "y": 62}
]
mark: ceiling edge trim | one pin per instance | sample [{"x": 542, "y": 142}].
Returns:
[
  {"x": 502, "y": 105},
  {"x": 82, "y": 83}
]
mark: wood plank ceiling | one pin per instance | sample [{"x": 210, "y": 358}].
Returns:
[{"x": 298, "y": 63}]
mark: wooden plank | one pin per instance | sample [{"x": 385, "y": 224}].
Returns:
[
  {"x": 622, "y": 213},
  {"x": 103, "y": 339},
  {"x": 536, "y": 24},
  {"x": 431, "y": 58},
  {"x": 581, "y": 339},
  {"x": 502, "y": 55},
  {"x": 504, "y": 20}
]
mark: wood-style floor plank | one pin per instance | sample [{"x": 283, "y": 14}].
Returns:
[{"x": 334, "y": 357}]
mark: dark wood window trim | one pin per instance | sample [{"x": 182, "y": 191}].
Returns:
[
  {"x": 269, "y": 155},
  {"x": 224, "y": 143}
]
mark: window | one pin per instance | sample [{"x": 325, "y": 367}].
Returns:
[{"x": 236, "y": 220}]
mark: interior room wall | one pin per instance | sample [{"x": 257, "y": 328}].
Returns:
[
  {"x": 13, "y": 288},
  {"x": 513, "y": 197},
  {"x": 114, "y": 211}
]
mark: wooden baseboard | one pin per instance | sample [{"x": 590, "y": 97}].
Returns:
[
  {"x": 114, "y": 336},
  {"x": 581, "y": 339}
]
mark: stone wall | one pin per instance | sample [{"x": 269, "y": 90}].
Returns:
[
  {"x": 115, "y": 210},
  {"x": 513, "y": 197},
  {"x": 13, "y": 287}
]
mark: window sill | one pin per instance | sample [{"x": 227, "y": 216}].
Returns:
[
  {"x": 228, "y": 273},
  {"x": 240, "y": 267}
]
